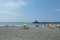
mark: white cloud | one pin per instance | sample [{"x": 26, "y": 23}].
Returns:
[
  {"x": 8, "y": 8},
  {"x": 57, "y": 9}
]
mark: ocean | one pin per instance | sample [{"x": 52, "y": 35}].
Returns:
[{"x": 21, "y": 24}]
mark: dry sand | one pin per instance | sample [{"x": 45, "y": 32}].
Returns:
[{"x": 31, "y": 34}]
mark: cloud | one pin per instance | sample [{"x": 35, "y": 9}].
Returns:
[
  {"x": 8, "y": 9},
  {"x": 57, "y": 9},
  {"x": 12, "y": 3}
]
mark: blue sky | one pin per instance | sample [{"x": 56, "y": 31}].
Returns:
[{"x": 29, "y": 10}]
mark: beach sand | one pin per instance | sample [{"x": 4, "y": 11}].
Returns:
[{"x": 30, "y": 34}]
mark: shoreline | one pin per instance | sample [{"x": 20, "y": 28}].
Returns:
[{"x": 30, "y": 29}]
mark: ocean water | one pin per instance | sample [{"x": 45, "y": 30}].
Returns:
[
  {"x": 15, "y": 24},
  {"x": 21, "y": 24}
]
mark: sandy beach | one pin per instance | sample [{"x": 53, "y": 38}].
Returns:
[{"x": 30, "y": 34}]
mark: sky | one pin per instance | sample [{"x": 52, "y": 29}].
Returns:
[{"x": 29, "y": 10}]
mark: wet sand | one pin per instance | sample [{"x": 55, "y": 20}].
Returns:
[{"x": 31, "y": 34}]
